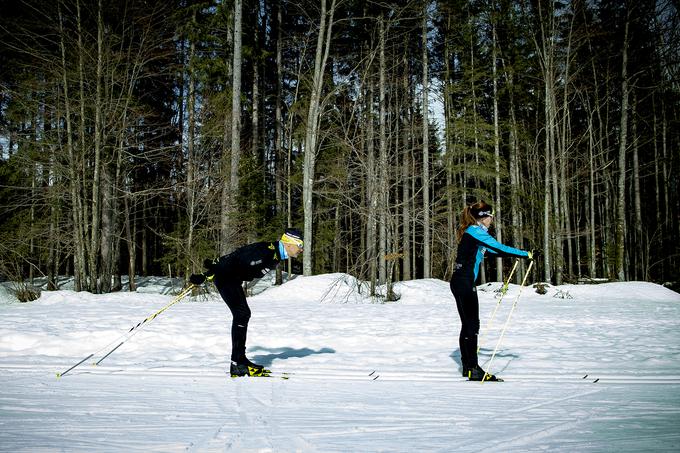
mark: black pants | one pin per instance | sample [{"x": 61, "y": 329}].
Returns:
[
  {"x": 468, "y": 310},
  {"x": 232, "y": 293}
]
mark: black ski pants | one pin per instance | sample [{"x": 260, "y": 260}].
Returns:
[
  {"x": 468, "y": 310},
  {"x": 233, "y": 295}
]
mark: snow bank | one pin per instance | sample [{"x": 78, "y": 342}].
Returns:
[{"x": 594, "y": 373}]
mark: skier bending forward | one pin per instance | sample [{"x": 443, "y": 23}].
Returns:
[
  {"x": 473, "y": 242},
  {"x": 230, "y": 271}
]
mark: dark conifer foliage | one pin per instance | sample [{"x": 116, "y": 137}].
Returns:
[{"x": 115, "y": 135}]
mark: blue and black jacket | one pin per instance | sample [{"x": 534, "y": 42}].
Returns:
[{"x": 474, "y": 244}]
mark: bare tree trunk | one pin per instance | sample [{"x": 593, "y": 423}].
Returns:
[
  {"x": 74, "y": 184},
  {"x": 278, "y": 152},
  {"x": 406, "y": 173},
  {"x": 132, "y": 250},
  {"x": 546, "y": 50},
  {"x": 567, "y": 139},
  {"x": 371, "y": 193},
  {"x": 235, "y": 124},
  {"x": 596, "y": 147},
  {"x": 426, "y": 152},
  {"x": 54, "y": 255},
  {"x": 255, "y": 120},
  {"x": 89, "y": 281},
  {"x": 191, "y": 165},
  {"x": 414, "y": 220},
  {"x": 558, "y": 255},
  {"x": 225, "y": 172},
  {"x": 289, "y": 161},
  {"x": 383, "y": 192},
  {"x": 31, "y": 241},
  {"x": 476, "y": 132},
  {"x": 591, "y": 202},
  {"x": 623, "y": 143},
  {"x": 337, "y": 239},
  {"x": 107, "y": 247},
  {"x": 498, "y": 222},
  {"x": 312, "y": 131},
  {"x": 279, "y": 113},
  {"x": 144, "y": 245},
  {"x": 640, "y": 244},
  {"x": 546, "y": 214},
  {"x": 514, "y": 175},
  {"x": 657, "y": 186},
  {"x": 96, "y": 182},
  {"x": 665, "y": 160},
  {"x": 565, "y": 218},
  {"x": 452, "y": 245}
]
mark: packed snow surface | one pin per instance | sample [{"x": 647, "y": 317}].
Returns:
[{"x": 587, "y": 368}]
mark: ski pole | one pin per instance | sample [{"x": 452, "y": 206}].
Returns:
[
  {"x": 503, "y": 291},
  {"x": 507, "y": 321},
  {"x": 130, "y": 333}
]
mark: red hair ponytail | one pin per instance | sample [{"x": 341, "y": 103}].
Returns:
[{"x": 467, "y": 218}]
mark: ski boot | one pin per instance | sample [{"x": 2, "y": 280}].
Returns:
[
  {"x": 259, "y": 368},
  {"x": 478, "y": 374},
  {"x": 243, "y": 369}
]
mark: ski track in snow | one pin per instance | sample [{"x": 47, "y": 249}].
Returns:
[{"x": 363, "y": 377}]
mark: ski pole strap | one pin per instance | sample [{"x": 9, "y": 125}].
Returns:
[
  {"x": 179, "y": 297},
  {"x": 507, "y": 321},
  {"x": 130, "y": 333},
  {"x": 507, "y": 282}
]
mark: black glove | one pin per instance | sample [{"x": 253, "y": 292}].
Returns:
[
  {"x": 197, "y": 279},
  {"x": 209, "y": 264}
]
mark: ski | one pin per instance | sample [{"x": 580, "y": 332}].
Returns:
[
  {"x": 495, "y": 379},
  {"x": 265, "y": 373},
  {"x": 321, "y": 374},
  {"x": 333, "y": 374}
]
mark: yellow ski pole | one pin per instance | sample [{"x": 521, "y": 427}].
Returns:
[
  {"x": 130, "y": 333},
  {"x": 514, "y": 304},
  {"x": 503, "y": 291}
]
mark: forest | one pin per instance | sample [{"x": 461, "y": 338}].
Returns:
[{"x": 139, "y": 137}]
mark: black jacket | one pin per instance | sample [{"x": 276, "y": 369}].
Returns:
[{"x": 246, "y": 263}]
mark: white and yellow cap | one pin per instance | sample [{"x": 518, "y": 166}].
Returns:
[{"x": 293, "y": 236}]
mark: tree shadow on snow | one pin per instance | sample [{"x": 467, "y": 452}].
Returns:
[
  {"x": 484, "y": 356},
  {"x": 285, "y": 353},
  {"x": 455, "y": 355}
]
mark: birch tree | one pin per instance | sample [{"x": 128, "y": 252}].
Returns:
[
  {"x": 383, "y": 192},
  {"x": 496, "y": 141},
  {"x": 623, "y": 144},
  {"x": 231, "y": 190},
  {"x": 312, "y": 129},
  {"x": 426, "y": 148}
]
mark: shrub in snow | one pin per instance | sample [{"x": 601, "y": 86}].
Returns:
[
  {"x": 25, "y": 292},
  {"x": 561, "y": 294},
  {"x": 541, "y": 288}
]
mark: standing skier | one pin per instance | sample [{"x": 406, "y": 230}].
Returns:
[
  {"x": 230, "y": 271},
  {"x": 473, "y": 242}
]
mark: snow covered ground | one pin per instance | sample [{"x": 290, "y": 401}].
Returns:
[{"x": 365, "y": 376}]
